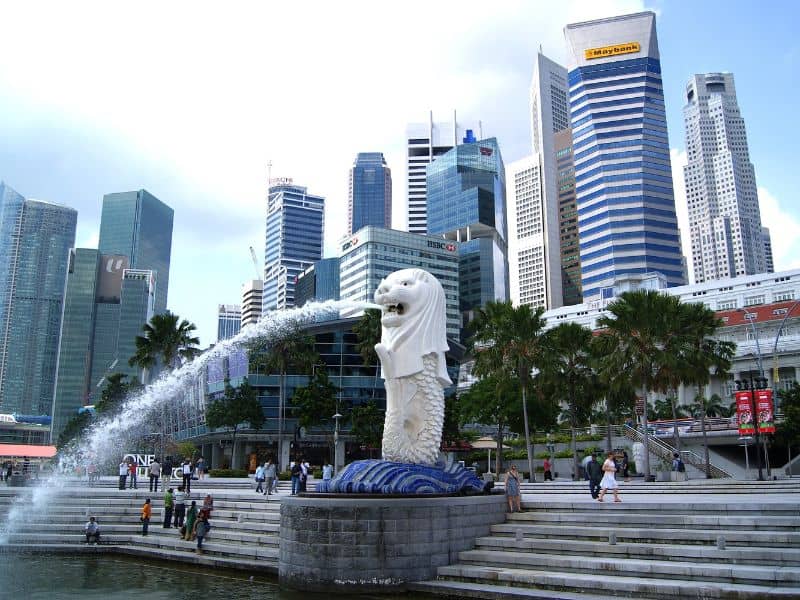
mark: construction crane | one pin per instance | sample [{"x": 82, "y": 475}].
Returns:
[{"x": 255, "y": 262}]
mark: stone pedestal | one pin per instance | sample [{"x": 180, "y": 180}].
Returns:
[{"x": 374, "y": 544}]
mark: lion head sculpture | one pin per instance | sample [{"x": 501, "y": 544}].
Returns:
[{"x": 413, "y": 321}]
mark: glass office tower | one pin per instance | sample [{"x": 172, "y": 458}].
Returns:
[
  {"x": 138, "y": 225},
  {"x": 295, "y": 225},
  {"x": 229, "y": 321},
  {"x": 35, "y": 239},
  {"x": 626, "y": 207},
  {"x": 467, "y": 204},
  {"x": 370, "y": 198}
]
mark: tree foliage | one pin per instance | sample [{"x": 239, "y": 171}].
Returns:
[
  {"x": 316, "y": 402},
  {"x": 788, "y": 432},
  {"x": 237, "y": 407},
  {"x": 168, "y": 341},
  {"x": 75, "y": 429},
  {"x": 367, "y": 424},
  {"x": 368, "y": 332},
  {"x": 115, "y": 392}
]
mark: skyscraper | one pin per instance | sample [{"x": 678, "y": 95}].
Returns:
[
  {"x": 295, "y": 225},
  {"x": 35, "y": 239},
  {"x": 724, "y": 216},
  {"x": 139, "y": 226},
  {"x": 370, "y": 198},
  {"x": 765, "y": 236},
  {"x": 229, "y": 321},
  {"x": 426, "y": 142},
  {"x": 106, "y": 304},
  {"x": 466, "y": 203},
  {"x": 568, "y": 220},
  {"x": 252, "y": 301},
  {"x": 318, "y": 283},
  {"x": 625, "y": 201}
]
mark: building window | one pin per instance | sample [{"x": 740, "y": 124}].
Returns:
[{"x": 754, "y": 300}]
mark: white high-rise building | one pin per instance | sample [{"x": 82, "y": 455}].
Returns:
[
  {"x": 527, "y": 266},
  {"x": 252, "y": 301},
  {"x": 532, "y": 193},
  {"x": 426, "y": 142},
  {"x": 724, "y": 216}
]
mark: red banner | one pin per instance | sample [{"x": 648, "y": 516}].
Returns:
[
  {"x": 744, "y": 413},
  {"x": 764, "y": 411}
]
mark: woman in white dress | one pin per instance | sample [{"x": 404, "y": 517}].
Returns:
[{"x": 609, "y": 481}]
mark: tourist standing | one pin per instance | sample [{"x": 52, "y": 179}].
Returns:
[
  {"x": 201, "y": 529},
  {"x": 132, "y": 468},
  {"x": 166, "y": 472},
  {"x": 595, "y": 472},
  {"x": 625, "y": 466},
  {"x": 200, "y": 468},
  {"x": 260, "y": 479},
  {"x": 513, "y": 490},
  {"x": 270, "y": 475},
  {"x": 180, "y": 507},
  {"x": 208, "y": 504},
  {"x": 169, "y": 503},
  {"x": 186, "y": 470},
  {"x": 191, "y": 517},
  {"x": 155, "y": 473},
  {"x": 304, "y": 469},
  {"x": 609, "y": 481},
  {"x": 548, "y": 473},
  {"x": 327, "y": 472},
  {"x": 123, "y": 474},
  {"x": 147, "y": 511},
  {"x": 295, "y": 470},
  {"x": 92, "y": 530}
]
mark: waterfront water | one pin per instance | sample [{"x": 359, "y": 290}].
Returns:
[{"x": 96, "y": 576}]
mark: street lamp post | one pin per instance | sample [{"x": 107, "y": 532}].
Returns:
[
  {"x": 751, "y": 318},
  {"x": 336, "y": 418}
]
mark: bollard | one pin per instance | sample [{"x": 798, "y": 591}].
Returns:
[
  {"x": 612, "y": 539},
  {"x": 721, "y": 542},
  {"x": 519, "y": 535}
]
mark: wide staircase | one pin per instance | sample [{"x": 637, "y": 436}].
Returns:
[
  {"x": 741, "y": 542},
  {"x": 244, "y": 533}
]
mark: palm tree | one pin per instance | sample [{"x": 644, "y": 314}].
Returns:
[
  {"x": 705, "y": 355},
  {"x": 291, "y": 349},
  {"x": 509, "y": 339},
  {"x": 641, "y": 325},
  {"x": 567, "y": 365},
  {"x": 368, "y": 332},
  {"x": 167, "y": 341}
]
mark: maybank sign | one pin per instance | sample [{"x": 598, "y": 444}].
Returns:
[{"x": 606, "y": 51}]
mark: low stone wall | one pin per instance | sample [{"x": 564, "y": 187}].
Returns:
[{"x": 367, "y": 544}]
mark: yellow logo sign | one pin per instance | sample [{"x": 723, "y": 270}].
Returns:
[{"x": 605, "y": 51}]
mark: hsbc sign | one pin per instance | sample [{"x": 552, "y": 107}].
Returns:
[
  {"x": 353, "y": 241},
  {"x": 449, "y": 246}
]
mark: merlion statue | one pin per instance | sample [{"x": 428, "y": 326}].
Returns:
[{"x": 411, "y": 351}]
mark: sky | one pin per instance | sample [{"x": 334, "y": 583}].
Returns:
[{"x": 192, "y": 100}]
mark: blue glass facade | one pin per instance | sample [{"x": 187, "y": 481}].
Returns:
[
  {"x": 318, "y": 283},
  {"x": 623, "y": 179},
  {"x": 370, "y": 192},
  {"x": 35, "y": 239},
  {"x": 467, "y": 203},
  {"x": 138, "y": 225},
  {"x": 295, "y": 224},
  {"x": 229, "y": 321}
]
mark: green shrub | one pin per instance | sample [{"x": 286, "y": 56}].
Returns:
[
  {"x": 566, "y": 453},
  {"x": 316, "y": 473},
  {"x": 284, "y": 476},
  {"x": 228, "y": 473}
]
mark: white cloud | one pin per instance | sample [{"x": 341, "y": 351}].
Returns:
[
  {"x": 783, "y": 228},
  {"x": 678, "y": 160},
  {"x": 208, "y": 95}
]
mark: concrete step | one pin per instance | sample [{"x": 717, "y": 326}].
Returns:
[
  {"x": 613, "y": 584},
  {"x": 753, "y": 555},
  {"x": 723, "y": 507},
  {"x": 632, "y": 567},
  {"x": 460, "y": 589},
  {"x": 733, "y": 537},
  {"x": 638, "y": 519},
  {"x": 238, "y": 537}
]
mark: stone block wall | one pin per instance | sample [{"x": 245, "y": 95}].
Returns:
[{"x": 365, "y": 544}]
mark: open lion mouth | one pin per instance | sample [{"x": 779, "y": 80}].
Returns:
[{"x": 396, "y": 308}]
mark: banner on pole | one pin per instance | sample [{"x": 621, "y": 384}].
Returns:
[
  {"x": 765, "y": 412},
  {"x": 744, "y": 413}
]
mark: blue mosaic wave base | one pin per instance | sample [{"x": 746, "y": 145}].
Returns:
[{"x": 384, "y": 477}]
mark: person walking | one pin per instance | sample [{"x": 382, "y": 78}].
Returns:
[
  {"x": 166, "y": 472},
  {"x": 327, "y": 472},
  {"x": 200, "y": 468},
  {"x": 270, "y": 475},
  {"x": 609, "y": 481},
  {"x": 201, "y": 529},
  {"x": 180, "y": 507},
  {"x": 512, "y": 489},
  {"x": 191, "y": 518},
  {"x": 548, "y": 473},
  {"x": 147, "y": 511},
  {"x": 186, "y": 470},
  {"x": 295, "y": 470},
  {"x": 260, "y": 479},
  {"x": 123, "y": 474},
  {"x": 155, "y": 473},
  {"x": 595, "y": 472},
  {"x": 132, "y": 468},
  {"x": 169, "y": 503}
]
